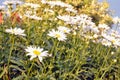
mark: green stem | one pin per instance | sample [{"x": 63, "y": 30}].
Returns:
[
  {"x": 55, "y": 48},
  {"x": 105, "y": 61},
  {"x": 28, "y": 31},
  {"x": 105, "y": 72},
  {"x": 11, "y": 48},
  {"x": 29, "y": 70},
  {"x": 55, "y": 44}
]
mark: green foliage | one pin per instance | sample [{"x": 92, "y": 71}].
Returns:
[{"x": 77, "y": 58}]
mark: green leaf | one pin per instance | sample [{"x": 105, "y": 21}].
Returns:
[
  {"x": 16, "y": 67},
  {"x": 21, "y": 77},
  {"x": 16, "y": 62}
]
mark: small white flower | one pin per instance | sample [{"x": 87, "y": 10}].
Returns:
[
  {"x": 112, "y": 52},
  {"x": 116, "y": 20},
  {"x": 87, "y": 36},
  {"x": 115, "y": 33},
  {"x": 36, "y": 52},
  {"x": 15, "y": 31},
  {"x": 2, "y": 7},
  {"x": 32, "y": 5},
  {"x": 80, "y": 20},
  {"x": 115, "y": 60},
  {"x": 8, "y": 2},
  {"x": 43, "y": 1},
  {"x": 28, "y": 13},
  {"x": 71, "y": 10},
  {"x": 103, "y": 27},
  {"x": 57, "y": 34},
  {"x": 48, "y": 10},
  {"x": 74, "y": 33},
  {"x": 65, "y": 18},
  {"x": 106, "y": 42},
  {"x": 64, "y": 29},
  {"x": 95, "y": 30},
  {"x": 58, "y": 3},
  {"x": 95, "y": 36},
  {"x": 33, "y": 17},
  {"x": 116, "y": 43},
  {"x": 18, "y": 2},
  {"x": 112, "y": 39},
  {"x": 84, "y": 20}
]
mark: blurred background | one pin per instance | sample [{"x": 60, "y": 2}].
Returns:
[{"x": 114, "y": 6}]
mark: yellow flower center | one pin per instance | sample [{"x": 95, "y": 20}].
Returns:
[
  {"x": 57, "y": 35},
  {"x": 13, "y": 31},
  {"x": 113, "y": 41},
  {"x": 36, "y": 52},
  {"x": 65, "y": 31}
]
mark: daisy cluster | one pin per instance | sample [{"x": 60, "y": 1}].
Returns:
[
  {"x": 80, "y": 20},
  {"x": 52, "y": 34},
  {"x": 111, "y": 38},
  {"x": 31, "y": 8},
  {"x": 80, "y": 24},
  {"x": 67, "y": 7},
  {"x": 101, "y": 33},
  {"x": 32, "y": 50},
  {"x": 31, "y": 14}
]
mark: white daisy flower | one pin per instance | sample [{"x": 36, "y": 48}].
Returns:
[
  {"x": 36, "y": 52},
  {"x": 15, "y": 31},
  {"x": 64, "y": 29},
  {"x": 57, "y": 34}
]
